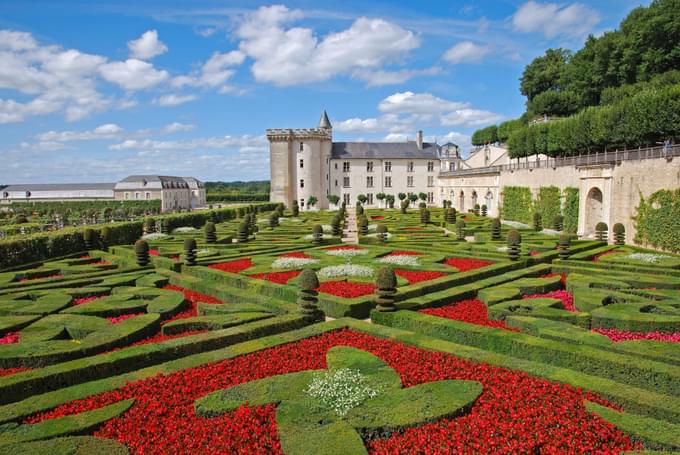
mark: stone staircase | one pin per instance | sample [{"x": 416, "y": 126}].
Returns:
[{"x": 350, "y": 232}]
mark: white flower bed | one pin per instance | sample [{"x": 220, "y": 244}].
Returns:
[
  {"x": 341, "y": 390},
  {"x": 375, "y": 234},
  {"x": 551, "y": 232},
  {"x": 323, "y": 236},
  {"x": 205, "y": 252},
  {"x": 289, "y": 263},
  {"x": 346, "y": 253},
  {"x": 183, "y": 229},
  {"x": 648, "y": 258},
  {"x": 345, "y": 270},
  {"x": 502, "y": 249},
  {"x": 327, "y": 228},
  {"x": 400, "y": 260},
  {"x": 154, "y": 236},
  {"x": 372, "y": 227},
  {"x": 515, "y": 224}
]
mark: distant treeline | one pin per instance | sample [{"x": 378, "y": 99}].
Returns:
[{"x": 237, "y": 191}]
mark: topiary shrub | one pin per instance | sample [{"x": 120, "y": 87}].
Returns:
[
  {"x": 142, "y": 252},
  {"x": 240, "y": 212},
  {"x": 295, "y": 209},
  {"x": 360, "y": 209},
  {"x": 538, "y": 222},
  {"x": 105, "y": 238},
  {"x": 476, "y": 209},
  {"x": 190, "y": 251},
  {"x": 514, "y": 244},
  {"x": 273, "y": 220},
  {"x": 422, "y": 205},
  {"x": 386, "y": 281},
  {"x": 403, "y": 206},
  {"x": 558, "y": 222},
  {"x": 252, "y": 222},
  {"x": 619, "y": 234},
  {"x": 382, "y": 233},
  {"x": 496, "y": 229},
  {"x": 363, "y": 225},
  {"x": 242, "y": 232},
  {"x": 450, "y": 215},
  {"x": 460, "y": 230},
  {"x": 149, "y": 225},
  {"x": 601, "y": 229},
  {"x": 485, "y": 209},
  {"x": 308, "y": 283},
  {"x": 280, "y": 208},
  {"x": 90, "y": 238},
  {"x": 425, "y": 216},
  {"x": 210, "y": 233},
  {"x": 317, "y": 234},
  {"x": 165, "y": 229},
  {"x": 335, "y": 225},
  {"x": 565, "y": 246}
]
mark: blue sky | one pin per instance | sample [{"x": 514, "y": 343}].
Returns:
[{"x": 95, "y": 91}]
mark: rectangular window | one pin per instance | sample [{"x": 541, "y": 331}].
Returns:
[
  {"x": 346, "y": 198},
  {"x": 388, "y": 166},
  {"x": 336, "y": 182},
  {"x": 302, "y": 164},
  {"x": 430, "y": 166},
  {"x": 409, "y": 166},
  {"x": 369, "y": 181},
  {"x": 302, "y": 203},
  {"x": 302, "y": 183},
  {"x": 388, "y": 181},
  {"x": 409, "y": 180},
  {"x": 369, "y": 198},
  {"x": 136, "y": 195},
  {"x": 127, "y": 195},
  {"x": 345, "y": 166},
  {"x": 345, "y": 182},
  {"x": 336, "y": 165},
  {"x": 430, "y": 180},
  {"x": 369, "y": 166},
  {"x": 148, "y": 196},
  {"x": 430, "y": 198},
  {"x": 302, "y": 146}
]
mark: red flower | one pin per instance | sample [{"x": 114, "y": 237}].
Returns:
[
  {"x": 153, "y": 252},
  {"x": 346, "y": 289},
  {"x": 566, "y": 297},
  {"x": 276, "y": 277},
  {"x": 563, "y": 277},
  {"x": 236, "y": 266},
  {"x": 413, "y": 276},
  {"x": 377, "y": 217},
  {"x": 471, "y": 311},
  {"x": 464, "y": 264},
  {"x": 47, "y": 277},
  {"x": 404, "y": 253},
  {"x": 11, "y": 371},
  {"x": 117, "y": 319},
  {"x": 10, "y": 338},
  {"x": 295, "y": 254},
  {"x": 624, "y": 335},
  {"x": 533, "y": 253},
  {"x": 83, "y": 300}
]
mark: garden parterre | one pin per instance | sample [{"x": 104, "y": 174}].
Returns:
[{"x": 542, "y": 354}]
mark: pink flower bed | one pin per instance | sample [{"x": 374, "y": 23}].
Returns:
[
  {"x": 624, "y": 335},
  {"x": 566, "y": 297}
]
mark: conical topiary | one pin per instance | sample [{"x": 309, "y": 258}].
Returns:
[
  {"x": 336, "y": 229},
  {"x": 360, "y": 209},
  {"x": 279, "y": 209},
  {"x": 484, "y": 209},
  {"x": 90, "y": 238},
  {"x": 619, "y": 234},
  {"x": 307, "y": 297},
  {"x": 165, "y": 228},
  {"x": 149, "y": 225},
  {"x": 190, "y": 251},
  {"x": 404, "y": 206},
  {"x": 105, "y": 236},
  {"x": 558, "y": 222},
  {"x": 476, "y": 209},
  {"x": 514, "y": 242},
  {"x": 253, "y": 223},
  {"x": 273, "y": 220},
  {"x": 142, "y": 252},
  {"x": 317, "y": 234},
  {"x": 460, "y": 230},
  {"x": 210, "y": 233},
  {"x": 425, "y": 216},
  {"x": 496, "y": 229},
  {"x": 538, "y": 222},
  {"x": 601, "y": 229},
  {"x": 242, "y": 233},
  {"x": 450, "y": 215},
  {"x": 565, "y": 246},
  {"x": 295, "y": 209},
  {"x": 382, "y": 233},
  {"x": 363, "y": 225},
  {"x": 386, "y": 282}
]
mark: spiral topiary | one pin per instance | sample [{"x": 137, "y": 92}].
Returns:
[
  {"x": 514, "y": 244},
  {"x": 565, "y": 246},
  {"x": 210, "y": 233},
  {"x": 496, "y": 229},
  {"x": 307, "y": 297},
  {"x": 558, "y": 222},
  {"x": 190, "y": 251},
  {"x": 386, "y": 281},
  {"x": 363, "y": 225},
  {"x": 240, "y": 212},
  {"x": 460, "y": 230},
  {"x": 89, "y": 238},
  {"x": 538, "y": 222},
  {"x": 484, "y": 209},
  {"x": 142, "y": 252},
  {"x": 105, "y": 238},
  {"x": 317, "y": 234},
  {"x": 619, "y": 234},
  {"x": 295, "y": 209},
  {"x": 336, "y": 229},
  {"x": 601, "y": 229},
  {"x": 273, "y": 220},
  {"x": 242, "y": 233},
  {"x": 382, "y": 233},
  {"x": 450, "y": 215},
  {"x": 425, "y": 216}
]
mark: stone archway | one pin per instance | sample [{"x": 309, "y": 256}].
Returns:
[
  {"x": 462, "y": 201},
  {"x": 489, "y": 202},
  {"x": 594, "y": 212},
  {"x": 474, "y": 199}
]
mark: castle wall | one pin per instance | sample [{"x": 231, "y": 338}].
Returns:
[{"x": 281, "y": 189}]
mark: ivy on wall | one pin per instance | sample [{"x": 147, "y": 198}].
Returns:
[
  {"x": 548, "y": 204},
  {"x": 570, "y": 209},
  {"x": 658, "y": 220},
  {"x": 517, "y": 204}
]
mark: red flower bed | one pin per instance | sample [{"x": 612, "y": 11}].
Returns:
[
  {"x": 404, "y": 253},
  {"x": 377, "y": 217},
  {"x": 47, "y": 277},
  {"x": 516, "y": 413},
  {"x": 464, "y": 264},
  {"x": 295, "y": 254},
  {"x": 346, "y": 289},
  {"x": 563, "y": 277},
  {"x": 533, "y": 253},
  {"x": 597, "y": 257},
  {"x": 84, "y": 300},
  {"x": 566, "y": 297},
  {"x": 343, "y": 247},
  {"x": 10, "y": 338},
  {"x": 117, "y": 319},
  {"x": 153, "y": 252},
  {"x": 160, "y": 337},
  {"x": 624, "y": 335},
  {"x": 472, "y": 311},
  {"x": 416, "y": 277},
  {"x": 11, "y": 371},
  {"x": 236, "y": 266},
  {"x": 276, "y": 277}
]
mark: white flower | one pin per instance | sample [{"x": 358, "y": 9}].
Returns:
[
  {"x": 342, "y": 390},
  {"x": 182, "y": 229},
  {"x": 502, "y": 249},
  {"x": 400, "y": 259},
  {"x": 324, "y": 236},
  {"x": 327, "y": 228},
  {"x": 154, "y": 236},
  {"x": 346, "y": 253},
  {"x": 516, "y": 224},
  {"x": 345, "y": 270},
  {"x": 290, "y": 263},
  {"x": 649, "y": 258}
]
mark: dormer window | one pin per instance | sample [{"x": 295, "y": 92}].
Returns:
[
  {"x": 28, "y": 194},
  {"x": 144, "y": 182},
  {"x": 5, "y": 194}
]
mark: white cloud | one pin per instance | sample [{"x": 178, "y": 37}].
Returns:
[
  {"x": 417, "y": 103},
  {"x": 554, "y": 19},
  {"x": 177, "y": 127},
  {"x": 147, "y": 46},
  {"x": 465, "y": 52},
  {"x": 289, "y": 56},
  {"x": 377, "y": 78},
  {"x": 215, "y": 72},
  {"x": 133, "y": 74},
  {"x": 193, "y": 144},
  {"x": 173, "y": 100},
  {"x": 357, "y": 125},
  {"x": 105, "y": 131},
  {"x": 470, "y": 118}
]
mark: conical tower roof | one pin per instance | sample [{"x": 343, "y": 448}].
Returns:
[{"x": 324, "y": 122}]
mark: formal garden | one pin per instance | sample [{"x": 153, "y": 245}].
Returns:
[{"x": 258, "y": 330}]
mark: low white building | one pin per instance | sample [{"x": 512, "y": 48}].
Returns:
[{"x": 47, "y": 192}]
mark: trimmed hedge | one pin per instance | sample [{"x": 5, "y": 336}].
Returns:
[{"x": 517, "y": 204}]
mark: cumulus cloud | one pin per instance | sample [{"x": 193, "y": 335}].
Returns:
[
  {"x": 466, "y": 52},
  {"x": 470, "y": 118},
  {"x": 173, "y": 99},
  {"x": 192, "y": 144},
  {"x": 215, "y": 72},
  {"x": 133, "y": 74},
  {"x": 417, "y": 103},
  {"x": 177, "y": 127},
  {"x": 285, "y": 55},
  {"x": 147, "y": 46},
  {"x": 554, "y": 19},
  {"x": 105, "y": 131}
]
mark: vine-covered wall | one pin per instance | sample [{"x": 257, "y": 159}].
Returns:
[
  {"x": 548, "y": 204},
  {"x": 517, "y": 204},
  {"x": 570, "y": 209},
  {"x": 658, "y": 220}
]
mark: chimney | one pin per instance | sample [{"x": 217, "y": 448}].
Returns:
[{"x": 419, "y": 139}]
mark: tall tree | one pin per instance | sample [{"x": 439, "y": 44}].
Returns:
[{"x": 544, "y": 73}]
